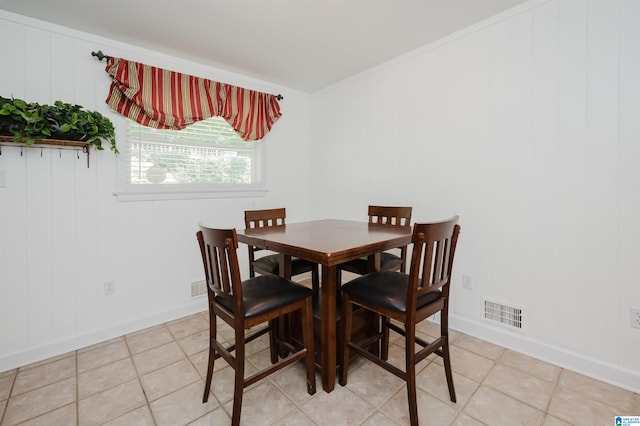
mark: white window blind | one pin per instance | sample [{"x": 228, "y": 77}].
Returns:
[
  {"x": 205, "y": 160},
  {"x": 208, "y": 153}
]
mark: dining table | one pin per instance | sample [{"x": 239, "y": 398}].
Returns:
[{"x": 329, "y": 243}]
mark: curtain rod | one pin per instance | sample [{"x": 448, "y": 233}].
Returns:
[{"x": 102, "y": 56}]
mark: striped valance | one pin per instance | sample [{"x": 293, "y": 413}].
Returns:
[{"x": 165, "y": 99}]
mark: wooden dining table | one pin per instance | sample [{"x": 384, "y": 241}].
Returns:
[{"x": 329, "y": 243}]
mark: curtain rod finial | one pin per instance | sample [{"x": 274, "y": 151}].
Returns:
[
  {"x": 100, "y": 55},
  {"x": 279, "y": 97}
]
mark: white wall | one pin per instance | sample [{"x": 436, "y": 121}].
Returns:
[
  {"x": 63, "y": 233},
  {"x": 527, "y": 127}
]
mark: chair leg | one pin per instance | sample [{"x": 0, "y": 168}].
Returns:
[
  {"x": 252, "y": 271},
  {"x": 307, "y": 337},
  {"x": 446, "y": 357},
  {"x": 315, "y": 279},
  {"x": 410, "y": 358},
  {"x": 238, "y": 387},
  {"x": 447, "y": 371},
  {"x": 207, "y": 386},
  {"x": 384, "y": 350},
  {"x": 347, "y": 312},
  {"x": 212, "y": 356},
  {"x": 273, "y": 343}
]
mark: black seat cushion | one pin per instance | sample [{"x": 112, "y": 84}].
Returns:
[
  {"x": 387, "y": 289},
  {"x": 271, "y": 264},
  {"x": 388, "y": 261},
  {"x": 266, "y": 293}
]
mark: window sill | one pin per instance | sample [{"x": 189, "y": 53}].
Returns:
[{"x": 187, "y": 195}]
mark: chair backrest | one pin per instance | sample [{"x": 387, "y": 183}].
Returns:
[
  {"x": 434, "y": 246},
  {"x": 392, "y": 216},
  {"x": 264, "y": 218},
  {"x": 222, "y": 273}
]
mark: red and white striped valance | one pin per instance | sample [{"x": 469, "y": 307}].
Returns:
[{"x": 165, "y": 99}]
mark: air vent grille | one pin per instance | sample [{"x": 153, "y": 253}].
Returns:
[
  {"x": 198, "y": 288},
  {"x": 503, "y": 314}
]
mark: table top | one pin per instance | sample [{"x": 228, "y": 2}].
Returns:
[{"x": 328, "y": 242}]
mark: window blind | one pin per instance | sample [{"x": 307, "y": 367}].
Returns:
[{"x": 206, "y": 152}]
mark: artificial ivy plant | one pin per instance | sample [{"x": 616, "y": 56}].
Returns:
[{"x": 27, "y": 122}]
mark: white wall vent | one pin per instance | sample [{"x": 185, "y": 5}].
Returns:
[
  {"x": 503, "y": 314},
  {"x": 198, "y": 288}
]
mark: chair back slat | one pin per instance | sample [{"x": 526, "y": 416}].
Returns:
[
  {"x": 426, "y": 267},
  {"x": 222, "y": 270},
  {"x": 434, "y": 246},
  {"x": 392, "y": 216},
  {"x": 439, "y": 271},
  {"x": 264, "y": 218},
  {"x": 220, "y": 259}
]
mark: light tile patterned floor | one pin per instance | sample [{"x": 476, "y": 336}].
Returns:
[{"x": 155, "y": 377}]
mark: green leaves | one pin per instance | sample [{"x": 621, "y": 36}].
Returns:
[{"x": 30, "y": 121}]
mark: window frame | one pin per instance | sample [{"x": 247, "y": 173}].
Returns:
[{"x": 154, "y": 192}]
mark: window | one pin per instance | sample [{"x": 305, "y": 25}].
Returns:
[{"x": 206, "y": 159}]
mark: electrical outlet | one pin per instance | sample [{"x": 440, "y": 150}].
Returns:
[
  {"x": 635, "y": 317},
  {"x": 109, "y": 288},
  {"x": 466, "y": 281}
]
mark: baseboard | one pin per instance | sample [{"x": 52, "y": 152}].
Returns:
[
  {"x": 614, "y": 375},
  {"x": 39, "y": 353}
]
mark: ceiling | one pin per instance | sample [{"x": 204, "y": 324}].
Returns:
[{"x": 301, "y": 44}]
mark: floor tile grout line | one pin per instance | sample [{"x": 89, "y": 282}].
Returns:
[
  {"x": 203, "y": 380},
  {"x": 556, "y": 384},
  {"x": 35, "y": 388},
  {"x": 295, "y": 408},
  {"x": 110, "y": 362},
  {"x": 583, "y": 395},
  {"x": 200, "y": 378},
  {"x": 383, "y": 414},
  {"x": 546, "y": 409},
  {"x": 13, "y": 382},
  {"x": 12, "y": 396},
  {"x": 507, "y": 350},
  {"x": 474, "y": 391},
  {"x": 41, "y": 414},
  {"x": 77, "y": 400},
  {"x": 139, "y": 379},
  {"x": 496, "y": 363},
  {"x": 43, "y": 362},
  {"x": 146, "y": 404}
]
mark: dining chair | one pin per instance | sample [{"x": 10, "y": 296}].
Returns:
[
  {"x": 389, "y": 261},
  {"x": 407, "y": 299},
  {"x": 270, "y": 264},
  {"x": 247, "y": 304}
]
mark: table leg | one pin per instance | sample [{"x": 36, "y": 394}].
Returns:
[
  {"x": 285, "y": 266},
  {"x": 373, "y": 262},
  {"x": 328, "y": 336}
]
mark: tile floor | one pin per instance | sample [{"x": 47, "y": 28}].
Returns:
[{"x": 155, "y": 376}]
